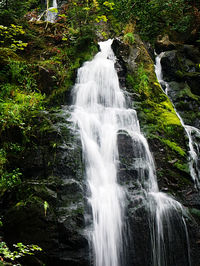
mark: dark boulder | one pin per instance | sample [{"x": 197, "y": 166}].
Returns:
[
  {"x": 164, "y": 44},
  {"x": 46, "y": 80},
  {"x": 192, "y": 53},
  {"x": 170, "y": 65}
]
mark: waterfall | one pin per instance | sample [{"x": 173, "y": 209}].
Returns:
[
  {"x": 51, "y": 12},
  {"x": 100, "y": 112},
  {"x": 194, "y": 152}
]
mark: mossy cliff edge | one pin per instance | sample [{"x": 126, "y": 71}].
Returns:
[
  {"x": 163, "y": 130},
  {"x": 156, "y": 114}
]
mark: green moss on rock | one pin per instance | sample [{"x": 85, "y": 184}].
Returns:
[
  {"x": 172, "y": 145},
  {"x": 195, "y": 212},
  {"x": 158, "y": 119}
]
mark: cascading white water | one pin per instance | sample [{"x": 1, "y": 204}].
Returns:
[
  {"x": 194, "y": 154},
  {"x": 158, "y": 71},
  {"x": 100, "y": 112},
  {"x": 51, "y": 13},
  {"x": 193, "y": 147}
]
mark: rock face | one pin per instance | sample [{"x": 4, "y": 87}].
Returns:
[
  {"x": 168, "y": 144},
  {"x": 184, "y": 93},
  {"x": 164, "y": 44},
  {"x": 182, "y": 64},
  {"x": 181, "y": 69},
  {"x": 54, "y": 174},
  {"x": 138, "y": 234},
  {"x": 170, "y": 63}
]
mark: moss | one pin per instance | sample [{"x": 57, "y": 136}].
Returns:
[
  {"x": 182, "y": 167},
  {"x": 157, "y": 117},
  {"x": 152, "y": 104},
  {"x": 191, "y": 74},
  {"x": 173, "y": 146},
  {"x": 187, "y": 92},
  {"x": 6, "y": 54},
  {"x": 180, "y": 74},
  {"x": 195, "y": 212},
  {"x": 129, "y": 38},
  {"x": 167, "y": 114},
  {"x": 66, "y": 74},
  {"x": 161, "y": 114}
]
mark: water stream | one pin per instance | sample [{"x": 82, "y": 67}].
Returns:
[
  {"x": 100, "y": 113},
  {"x": 51, "y": 12},
  {"x": 99, "y": 110},
  {"x": 194, "y": 152}
]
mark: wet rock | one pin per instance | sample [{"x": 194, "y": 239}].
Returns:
[
  {"x": 172, "y": 174},
  {"x": 170, "y": 65},
  {"x": 192, "y": 53},
  {"x": 193, "y": 80},
  {"x": 125, "y": 54},
  {"x": 54, "y": 174},
  {"x": 164, "y": 44},
  {"x": 46, "y": 80},
  {"x": 126, "y": 173}
]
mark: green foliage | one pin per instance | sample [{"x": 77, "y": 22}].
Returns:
[
  {"x": 195, "y": 212},
  {"x": 174, "y": 146},
  {"x": 2, "y": 159},
  {"x": 17, "y": 110},
  {"x": 109, "y": 5},
  {"x": 80, "y": 15},
  {"x": 21, "y": 74},
  {"x": 10, "y": 37},
  {"x": 100, "y": 18},
  {"x": 83, "y": 19},
  {"x": 182, "y": 166},
  {"x": 129, "y": 38},
  {"x": 66, "y": 72},
  {"x": 155, "y": 16},
  {"x": 156, "y": 113},
  {"x": 186, "y": 92},
  {"x": 20, "y": 101},
  {"x": 139, "y": 81},
  {"x": 13, "y": 10},
  {"x": 6, "y": 255},
  {"x": 54, "y": 10},
  {"x": 19, "y": 97},
  {"x": 46, "y": 206},
  {"x": 9, "y": 180},
  {"x": 6, "y": 55}
]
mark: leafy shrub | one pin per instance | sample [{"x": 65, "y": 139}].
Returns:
[
  {"x": 6, "y": 255},
  {"x": 155, "y": 16},
  {"x": 10, "y": 37},
  {"x": 20, "y": 73},
  {"x": 129, "y": 38},
  {"x": 20, "y": 97},
  {"x": 3, "y": 159},
  {"x": 9, "y": 180}
]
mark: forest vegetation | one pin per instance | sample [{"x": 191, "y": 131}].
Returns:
[{"x": 38, "y": 63}]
